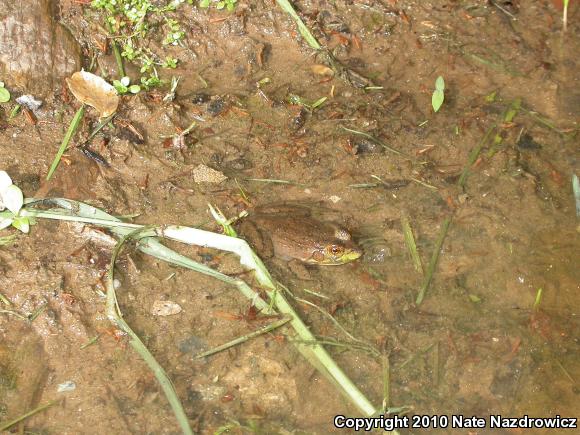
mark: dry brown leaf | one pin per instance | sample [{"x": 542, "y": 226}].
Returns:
[
  {"x": 322, "y": 70},
  {"x": 94, "y": 91}
]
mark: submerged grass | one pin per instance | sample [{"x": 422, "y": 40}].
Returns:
[
  {"x": 306, "y": 342},
  {"x": 9, "y": 424},
  {"x": 411, "y": 245},
  {"x": 374, "y": 140},
  {"x": 114, "y": 314},
  {"x": 434, "y": 260},
  {"x": 244, "y": 338}
]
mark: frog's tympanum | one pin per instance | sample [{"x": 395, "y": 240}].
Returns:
[{"x": 296, "y": 235}]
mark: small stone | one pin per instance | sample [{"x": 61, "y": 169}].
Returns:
[
  {"x": 334, "y": 198},
  {"x": 205, "y": 174},
  {"x": 165, "y": 308}
]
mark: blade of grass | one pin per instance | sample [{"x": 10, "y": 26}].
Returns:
[
  {"x": 373, "y": 139},
  {"x": 411, "y": 245},
  {"x": 538, "y": 299},
  {"x": 434, "y": 259},
  {"x": 117, "y": 53},
  {"x": 386, "y": 383},
  {"x": 274, "y": 181},
  {"x": 576, "y": 190},
  {"x": 115, "y": 316},
  {"x": 508, "y": 116},
  {"x": 304, "y": 31},
  {"x": 9, "y": 424},
  {"x": 314, "y": 353},
  {"x": 72, "y": 128},
  {"x": 244, "y": 338},
  {"x": 473, "y": 156}
]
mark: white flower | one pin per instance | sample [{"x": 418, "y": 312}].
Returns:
[
  {"x": 11, "y": 198},
  {"x": 10, "y": 195}
]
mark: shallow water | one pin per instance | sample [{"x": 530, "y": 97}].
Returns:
[{"x": 474, "y": 347}]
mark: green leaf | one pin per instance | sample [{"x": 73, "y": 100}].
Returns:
[
  {"x": 4, "y": 95},
  {"x": 204, "y": 3},
  {"x": 440, "y": 84},
  {"x": 490, "y": 98},
  {"x": 21, "y": 223},
  {"x": 437, "y": 99},
  {"x": 474, "y": 298},
  {"x": 134, "y": 89}
]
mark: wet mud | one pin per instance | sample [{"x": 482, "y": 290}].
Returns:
[{"x": 476, "y": 345}]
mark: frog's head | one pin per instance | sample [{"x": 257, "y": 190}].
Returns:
[{"x": 339, "y": 250}]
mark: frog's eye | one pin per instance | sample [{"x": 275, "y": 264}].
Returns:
[{"x": 335, "y": 250}]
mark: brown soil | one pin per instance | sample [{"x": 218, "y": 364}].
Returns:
[{"x": 474, "y": 346}]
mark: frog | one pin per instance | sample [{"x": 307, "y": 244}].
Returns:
[{"x": 292, "y": 233}]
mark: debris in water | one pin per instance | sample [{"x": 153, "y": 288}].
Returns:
[
  {"x": 66, "y": 386},
  {"x": 29, "y": 102},
  {"x": 527, "y": 142},
  {"x": 205, "y": 174},
  {"x": 165, "y": 308}
]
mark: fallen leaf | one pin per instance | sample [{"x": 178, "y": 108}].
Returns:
[{"x": 95, "y": 91}]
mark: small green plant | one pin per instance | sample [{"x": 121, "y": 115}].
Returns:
[
  {"x": 299, "y": 101},
  {"x": 438, "y": 94},
  {"x": 219, "y": 4},
  {"x": 4, "y": 94},
  {"x": 124, "y": 86},
  {"x": 130, "y": 22},
  {"x": 565, "y": 14}
]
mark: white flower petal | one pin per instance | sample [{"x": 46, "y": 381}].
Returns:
[
  {"x": 12, "y": 198},
  {"x": 5, "y": 223},
  {"x": 5, "y": 180}
]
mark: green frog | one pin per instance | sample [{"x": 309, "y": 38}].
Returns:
[{"x": 292, "y": 233}]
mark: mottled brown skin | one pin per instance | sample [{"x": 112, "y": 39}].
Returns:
[{"x": 299, "y": 236}]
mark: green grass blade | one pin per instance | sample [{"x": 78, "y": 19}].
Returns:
[
  {"x": 114, "y": 314},
  {"x": 411, "y": 245},
  {"x": 304, "y": 31},
  {"x": 8, "y": 424},
  {"x": 72, "y": 128},
  {"x": 473, "y": 156},
  {"x": 314, "y": 352},
  {"x": 434, "y": 259}
]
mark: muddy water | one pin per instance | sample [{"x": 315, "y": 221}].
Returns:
[{"x": 475, "y": 346}]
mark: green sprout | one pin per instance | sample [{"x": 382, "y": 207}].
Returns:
[
  {"x": 310, "y": 105},
  {"x": 565, "y": 14},
  {"x": 124, "y": 86},
  {"x": 219, "y": 4},
  {"x": 4, "y": 94},
  {"x": 438, "y": 94}
]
